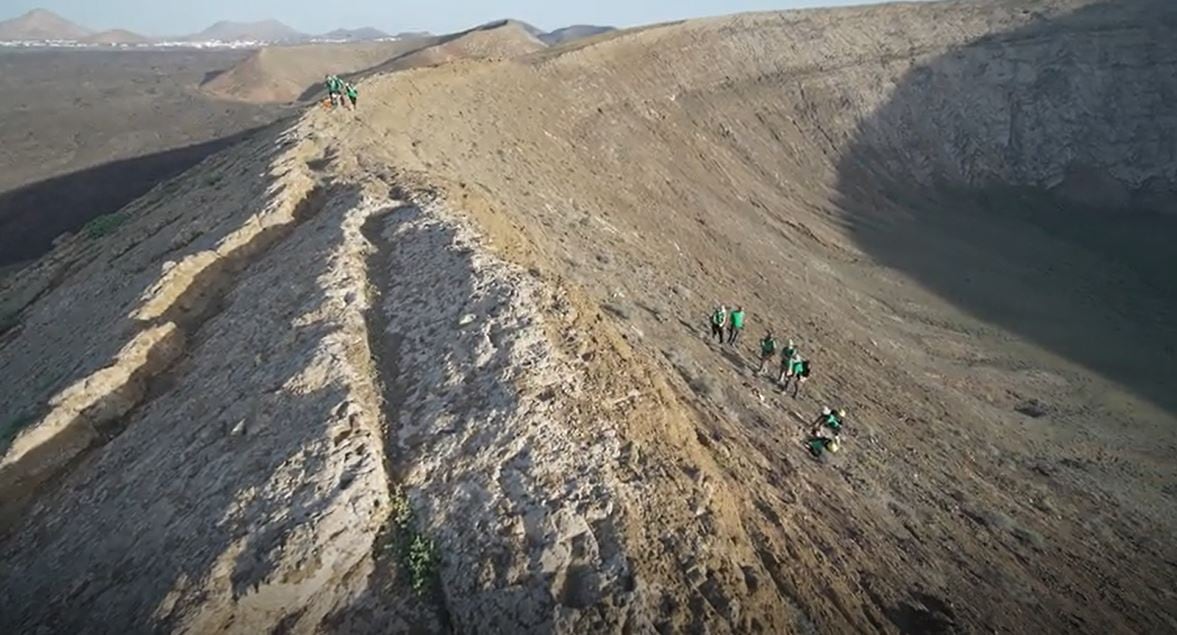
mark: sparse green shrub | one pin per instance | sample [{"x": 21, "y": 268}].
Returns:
[
  {"x": 104, "y": 225},
  {"x": 416, "y": 554},
  {"x": 421, "y": 562}
]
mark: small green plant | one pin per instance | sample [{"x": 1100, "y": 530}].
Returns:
[
  {"x": 421, "y": 561},
  {"x": 103, "y": 225},
  {"x": 416, "y": 554}
]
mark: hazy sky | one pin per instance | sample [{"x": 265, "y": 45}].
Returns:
[{"x": 168, "y": 17}]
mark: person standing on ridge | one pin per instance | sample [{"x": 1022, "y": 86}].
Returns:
[
  {"x": 787, "y": 355},
  {"x": 352, "y": 94},
  {"x": 331, "y": 93},
  {"x": 767, "y": 350},
  {"x": 735, "y": 326},
  {"x": 718, "y": 321}
]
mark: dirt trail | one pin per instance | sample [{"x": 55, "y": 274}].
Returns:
[{"x": 479, "y": 366}]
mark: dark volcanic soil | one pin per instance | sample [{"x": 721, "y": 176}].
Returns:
[{"x": 86, "y": 132}]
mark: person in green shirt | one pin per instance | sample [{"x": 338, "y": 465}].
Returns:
[
  {"x": 767, "y": 350},
  {"x": 333, "y": 89},
  {"x": 718, "y": 321},
  {"x": 735, "y": 326},
  {"x": 827, "y": 432},
  {"x": 829, "y": 420},
  {"x": 797, "y": 374},
  {"x": 352, "y": 94},
  {"x": 787, "y": 354}
]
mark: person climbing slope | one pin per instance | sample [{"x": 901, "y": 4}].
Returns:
[
  {"x": 829, "y": 420},
  {"x": 787, "y": 354},
  {"x": 735, "y": 326},
  {"x": 718, "y": 321},
  {"x": 826, "y": 434},
  {"x": 798, "y": 373},
  {"x": 352, "y": 94},
  {"x": 332, "y": 92},
  {"x": 767, "y": 350}
]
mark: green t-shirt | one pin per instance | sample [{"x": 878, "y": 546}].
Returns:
[
  {"x": 833, "y": 422},
  {"x": 767, "y": 346},
  {"x": 718, "y": 318},
  {"x": 351, "y": 91},
  {"x": 737, "y": 319}
]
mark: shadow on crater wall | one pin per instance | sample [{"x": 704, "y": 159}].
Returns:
[{"x": 1030, "y": 178}]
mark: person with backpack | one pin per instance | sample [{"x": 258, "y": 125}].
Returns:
[
  {"x": 798, "y": 373},
  {"x": 735, "y": 326},
  {"x": 826, "y": 435},
  {"x": 332, "y": 92},
  {"x": 787, "y": 354},
  {"x": 767, "y": 350},
  {"x": 352, "y": 94},
  {"x": 718, "y": 321}
]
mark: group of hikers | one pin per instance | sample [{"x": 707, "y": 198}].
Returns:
[
  {"x": 726, "y": 327},
  {"x": 337, "y": 90}
]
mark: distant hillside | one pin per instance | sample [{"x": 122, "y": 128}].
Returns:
[
  {"x": 264, "y": 31},
  {"x": 575, "y": 32},
  {"x": 284, "y": 73},
  {"x": 40, "y": 24},
  {"x": 497, "y": 40},
  {"x": 116, "y": 36},
  {"x": 355, "y": 35},
  {"x": 290, "y": 73}
]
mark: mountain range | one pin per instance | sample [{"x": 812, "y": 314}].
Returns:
[{"x": 43, "y": 25}]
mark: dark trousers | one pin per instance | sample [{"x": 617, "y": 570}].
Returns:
[
  {"x": 717, "y": 331},
  {"x": 733, "y": 334}
]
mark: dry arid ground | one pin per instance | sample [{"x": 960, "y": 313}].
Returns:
[
  {"x": 441, "y": 364},
  {"x": 83, "y": 133}
]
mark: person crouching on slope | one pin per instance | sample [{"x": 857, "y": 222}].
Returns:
[
  {"x": 718, "y": 321},
  {"x": 827, "y": 432},
  {"x": 767, "y": 350},
  {"x": 735, "y": 326}
]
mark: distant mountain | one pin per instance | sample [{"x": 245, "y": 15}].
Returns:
[
  {"x": 521, "y": 24},
  {"x": 355, "y": 35},
  {"x": 40, "y": 24},
  {"x": 575, "y": 32},
  {"x": 116, "y": 36},
  {"x": 264, "y": 31}
]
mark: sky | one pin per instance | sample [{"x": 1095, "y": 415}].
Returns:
[{"x": 166, "y": 17}]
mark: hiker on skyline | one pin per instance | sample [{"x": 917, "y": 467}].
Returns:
[
  {"x": 735, "y": 326},
  {"x": 718, "y": 321},
  {"x": 334, "y": 90}
]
